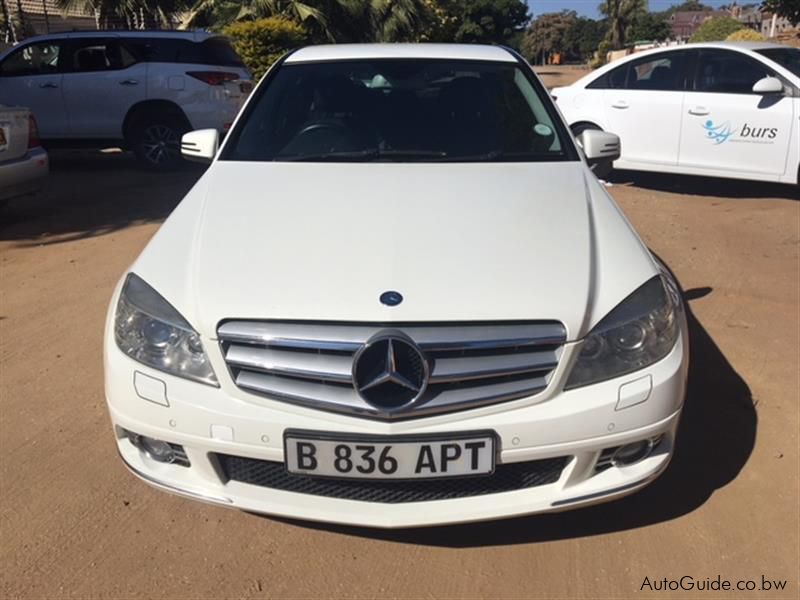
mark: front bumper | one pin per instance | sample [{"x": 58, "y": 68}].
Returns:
[
  {"x": 578, "y": 424},
  {"x": 23, "y": 176}
]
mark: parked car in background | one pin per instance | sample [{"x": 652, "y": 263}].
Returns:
[
  {"x": 141, "y": 89},
  {"x": 433, "y": 313},
  {"x": 726, "y": 109},
  {"x": 23, "y": 161}
]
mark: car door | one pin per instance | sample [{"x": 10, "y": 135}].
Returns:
[
  {"x": 729, "y": 128},
  {"x": 644, "y": 106},
  {"x": 102, "y": 80},
  {"x": 31, "y": 76}
]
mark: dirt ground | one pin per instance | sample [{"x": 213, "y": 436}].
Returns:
[{"x": 74, "y": 523}]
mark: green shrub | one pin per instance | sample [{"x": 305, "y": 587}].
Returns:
[
  {"x": 716, "y": 29},
  {"x": 260, "y": 43},
  {"x": 601, "y": 56},
  {"x": 745, "y": 35}
]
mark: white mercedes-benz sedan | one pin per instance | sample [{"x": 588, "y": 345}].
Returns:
[
  {"x": 397, "y": 297},
  {"x": 723, "y": 109}
]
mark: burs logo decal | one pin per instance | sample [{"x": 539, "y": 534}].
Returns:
[{"x": 719, "y": 134}]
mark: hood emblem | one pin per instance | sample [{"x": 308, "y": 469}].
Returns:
[
  {"x": 391, "y": 298},
  {"x": 390, "y": 371}
]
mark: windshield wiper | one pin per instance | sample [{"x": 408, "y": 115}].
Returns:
[
  {"x": 361, "y": 155},
  {"x": 354, "y": 155}
]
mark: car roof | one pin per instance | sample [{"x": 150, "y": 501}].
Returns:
[
  {"x": 192, "y": 36},
  {"x": 412, "y": 51}
]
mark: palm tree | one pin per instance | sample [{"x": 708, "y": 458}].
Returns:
[
  {"x": 222, "y": 12},
  {"x": 136, "y": 14},
  {"x": 331, "y": 20},
  {"x": 621, "y": 15}
]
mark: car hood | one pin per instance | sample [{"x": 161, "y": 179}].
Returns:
[{"x": 460, "y": 242}]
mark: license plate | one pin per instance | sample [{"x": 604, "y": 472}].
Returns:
[{"x": 389, "y": 457}]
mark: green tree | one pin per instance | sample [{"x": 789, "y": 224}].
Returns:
[
  {"x": 584, "y": 37},
  {"x": 547, "y": 34},
  {"x": 478, "y": 21},
  {"x": 688, "y": 5},
  {"x": 649, "y": 26},
  {"x": 716, "y": 29},
  {"x": 790, "y": 9}
]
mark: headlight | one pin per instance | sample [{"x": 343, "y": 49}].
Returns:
[
  {"x": 641, "y": 330},
  {"x": 148, "y": 329}
]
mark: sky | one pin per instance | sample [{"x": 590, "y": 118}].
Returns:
[{"x": 588, "y": 8}]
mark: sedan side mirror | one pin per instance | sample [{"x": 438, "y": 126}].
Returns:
[
  {"x": 599, "y": 146},
  {"x": 200, "y": 145},
  {"x": 768, "y": 85}
]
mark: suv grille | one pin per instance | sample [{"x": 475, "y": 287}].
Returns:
[
  {"x": 506, "y": 478},
  {"x": 469, "y": 365}
]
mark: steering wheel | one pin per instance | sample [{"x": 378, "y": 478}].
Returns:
[{"x": 322, "y": 126}]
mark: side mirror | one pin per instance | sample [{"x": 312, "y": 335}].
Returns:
[
  {"x": 200, "y": 145},
  {"x": 599, "y": 146},
  {"x": 768, "y": 85}
]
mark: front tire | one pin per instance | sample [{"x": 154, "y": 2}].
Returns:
[
  {"x": 601, "y": 169},
  {"x": 156, "y": 141}
]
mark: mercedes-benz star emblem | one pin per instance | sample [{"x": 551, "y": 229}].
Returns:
[{"x": 390, "y": 371}]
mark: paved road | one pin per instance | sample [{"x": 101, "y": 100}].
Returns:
[{"x": 74, "y": 523}]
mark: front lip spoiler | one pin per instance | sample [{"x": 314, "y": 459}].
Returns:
[{"x": 174, "y": 489}]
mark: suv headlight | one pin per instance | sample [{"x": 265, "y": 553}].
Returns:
[
  {"x": 148, "y": 329},
  {"x": 640, "y": 331}
]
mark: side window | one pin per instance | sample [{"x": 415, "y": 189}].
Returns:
[
  {"x": 614, "y": 79},
  {"x": 727, "y": 72},
  {"x": 99, "y": 55},
  {"x": 33, "y": 59},
  {"x": 664, "y": 72}
]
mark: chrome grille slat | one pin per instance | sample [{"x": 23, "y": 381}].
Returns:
[
  {"x": 448, "y": 370},
  {"x": 471, "y": 364},
  {"x": 329, "y": 367}
]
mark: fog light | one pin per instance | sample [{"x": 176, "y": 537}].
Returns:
[
  {"x": 158, "y": 450},
  {"x": 632, "y": 453}
]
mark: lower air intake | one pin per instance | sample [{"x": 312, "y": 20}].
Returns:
[{"x": 506, "y": 478}]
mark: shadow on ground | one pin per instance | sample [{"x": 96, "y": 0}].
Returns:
[
  {"x": 705, "y": 186},
  {"x": 90, "y": 193},
  {"x": 715, "y": 439}
]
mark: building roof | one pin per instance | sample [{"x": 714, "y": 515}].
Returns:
[{"x": 370, "y": 51}]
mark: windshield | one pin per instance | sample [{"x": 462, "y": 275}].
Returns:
[
  {"x": 400, "y": 110},
  {"x": 788, "y": 58}
]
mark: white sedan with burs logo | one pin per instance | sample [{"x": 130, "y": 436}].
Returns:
[
  {"x": 397, "y": 297},
  {"x": 726, "y": 109}
]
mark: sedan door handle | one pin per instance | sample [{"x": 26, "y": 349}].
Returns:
[
  {"x": 621, "y": 104},
  {"x": 48, "y": 84},
  {"x": 129, "y": 82},
  {"x": 699, "y": 111}
]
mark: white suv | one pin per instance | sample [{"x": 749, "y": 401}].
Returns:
[
  {"x": 398, "y": 296},
  {"x": 141, "y": 89}
]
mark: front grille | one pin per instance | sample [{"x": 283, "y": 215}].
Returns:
[
  {"x": 506, "y": 478},
  {"x": 469, "y": 364}
]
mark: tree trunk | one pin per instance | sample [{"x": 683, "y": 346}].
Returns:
[
  {"x": 21, "y": 16},
  {"x": 46, "y": 16},
  {"x": 11, "y": 32}
]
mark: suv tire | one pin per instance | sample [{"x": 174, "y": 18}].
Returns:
[{"x": 156, "y": 141}]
